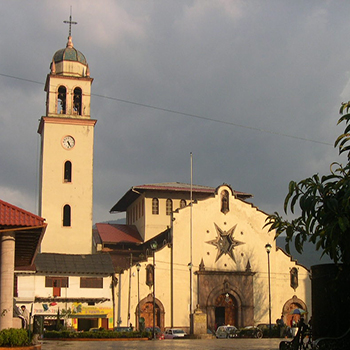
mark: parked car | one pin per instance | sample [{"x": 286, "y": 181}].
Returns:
[
  {"x": 159, "y": 334},
  {"x": 266, "y": 326},
  {"x": 226, "y": 332},
  {"x": 174, "y": 333},
  {"x": 250, "y": 332},
  {"x": 275, "y": 332},
  {"x": 122, "y": 329},
  {"x": 94, "y": 330}
]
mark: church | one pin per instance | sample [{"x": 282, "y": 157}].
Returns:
[
  {"x": 192, "y": 254},
  {"x": 189, "y": 256}
]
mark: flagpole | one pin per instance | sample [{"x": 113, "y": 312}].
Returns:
[{"x": 191, "y": 245}]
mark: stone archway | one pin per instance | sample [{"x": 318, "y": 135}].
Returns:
[
  {"x": 224, "y": 306},
  {"x": 290, "y": 306},
  {"x": 213, "y": 285},
  {"x": 146, "y": 311}
]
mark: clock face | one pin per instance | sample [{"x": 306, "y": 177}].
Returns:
[{"x": 68, "y": 142}]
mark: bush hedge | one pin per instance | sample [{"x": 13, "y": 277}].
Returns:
[
  {"x": 94, "y": 335},
  {"x": 14, "y": 337}
]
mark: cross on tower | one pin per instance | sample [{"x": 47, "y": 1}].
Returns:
[{"x": 70, "y": 22}]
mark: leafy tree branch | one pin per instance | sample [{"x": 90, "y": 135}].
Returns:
[{"x": 324, "y": 202}]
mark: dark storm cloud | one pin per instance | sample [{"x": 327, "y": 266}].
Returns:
[{"x": 277, "y": 66}]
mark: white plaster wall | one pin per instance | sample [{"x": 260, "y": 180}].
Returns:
[
  {"x": 249, "y": 230},
  {"x": 31, "y": 286}
]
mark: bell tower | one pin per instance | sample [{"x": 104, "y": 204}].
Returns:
[{"x": 66, "y": 161}]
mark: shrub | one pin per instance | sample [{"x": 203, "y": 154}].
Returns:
[
  {"x": 14, "y": 337},
  {"x": 94, "y": 335}
]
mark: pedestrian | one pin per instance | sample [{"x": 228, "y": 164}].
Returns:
[
  {"x": 25, "y": 315},
  {"x": 282, "y": 327}
]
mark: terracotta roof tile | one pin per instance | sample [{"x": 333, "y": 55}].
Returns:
[
  {"x": 115, "y": 233},
  {"x": 12, "y": 216}
]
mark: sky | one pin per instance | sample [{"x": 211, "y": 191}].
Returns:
[{"x": 251, "y": 88}]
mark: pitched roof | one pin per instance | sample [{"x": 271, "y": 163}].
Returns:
[
  {"x": 175, "y": 186},
  {"x": 74, "y": 264},
  {"x": 29, "y": 229},
  {"x": 12, "y": 216},
  {"x": 135, "y": 192},
  {"x": 116, "y": 233}
]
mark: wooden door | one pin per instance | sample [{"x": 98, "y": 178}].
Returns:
[{"x": 226, "y": 310}]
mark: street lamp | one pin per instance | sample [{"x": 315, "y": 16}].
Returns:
[
  {"x": 190, "y": 266},
  {"x": 268, "y": 249},
  {"x": 138, "y": 266},
  {"x": 154, "y": 246}
]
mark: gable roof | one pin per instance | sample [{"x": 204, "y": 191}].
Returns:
[
  {"x": 130, "y": 196},
  {"x": 117, "y": 233},
  {"x": 74, "y": 264},
  {"x": 29, "y": 229}
]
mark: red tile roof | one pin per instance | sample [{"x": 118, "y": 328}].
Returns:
[
  {"x": 29, "y": 229},
  {"x": 116, "y": 233},
  {"x": 12, "y": 216}
]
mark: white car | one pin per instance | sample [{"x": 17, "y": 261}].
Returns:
[
  {"x": 226, "y": 332},
  {"x": 174, "y": 333}
]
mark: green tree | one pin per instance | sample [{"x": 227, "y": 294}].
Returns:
[{"x": 324, "y": 203}]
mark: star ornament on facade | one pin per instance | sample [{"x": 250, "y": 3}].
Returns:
[{"x": 225, "y": 242}]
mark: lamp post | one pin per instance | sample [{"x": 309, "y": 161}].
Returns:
[
  {"x": 154, "y": 246},
  {"x": 268, "y": 249},
  {"x": 191, "y": 293},
  {"x": 138, "y": 266}
]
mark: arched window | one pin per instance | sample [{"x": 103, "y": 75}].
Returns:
[
  {"x": 77, "y": 101},
  {"x": 155, "y": 206},
  {"x": 66, "y": 215},
  {"x": 67, "y": 171},
  {"x": 169, "y": 206},
  {"x": 61, "y": 100},
  {"x": 182, "y": 203}
]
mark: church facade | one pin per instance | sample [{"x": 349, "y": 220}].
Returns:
[{"x": 207, "y": 258}]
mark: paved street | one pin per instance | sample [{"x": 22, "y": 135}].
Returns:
[{"x": 202, "y": 344}]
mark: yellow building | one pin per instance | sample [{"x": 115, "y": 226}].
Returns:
[
  {"x": 211, "y": 261},
  {"x": 67, "y": 139}
]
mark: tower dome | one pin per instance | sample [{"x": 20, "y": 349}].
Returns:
[{"x": 70, "y": 62}]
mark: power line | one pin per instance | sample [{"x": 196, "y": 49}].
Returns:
[
  {"x": 28, "y": 80},
  {"x": 186, "y": 114}
]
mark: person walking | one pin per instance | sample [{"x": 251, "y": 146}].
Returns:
[{"x": 25, "y": 315}]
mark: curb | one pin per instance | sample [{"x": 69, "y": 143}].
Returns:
[{"x": 30, "y": 347}]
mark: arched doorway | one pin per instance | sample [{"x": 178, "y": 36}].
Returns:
[
  {"x": 146, "y": 312},
  {"x": 225, "y": 310},
  {"x": 293, "y": 309}
]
